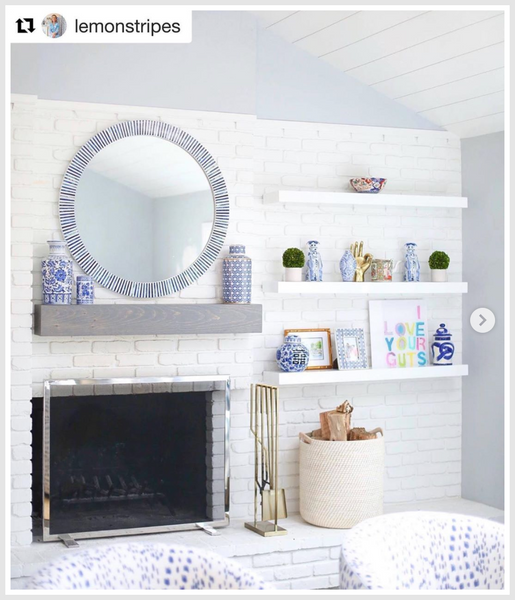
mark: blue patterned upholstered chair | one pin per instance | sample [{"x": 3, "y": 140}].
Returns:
[
  {"x": 423, "y": 550},
  {"x": 138, "y": 566}
]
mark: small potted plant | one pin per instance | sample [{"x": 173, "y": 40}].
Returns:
[
  {"x": 293, "y": 261},
  {"x": 439, "y": 263}
]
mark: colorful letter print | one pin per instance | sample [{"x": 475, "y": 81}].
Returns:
[{"x": 398, "y": 334}]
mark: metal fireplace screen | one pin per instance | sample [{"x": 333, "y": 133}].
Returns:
[{"x": 134, "y": 456}]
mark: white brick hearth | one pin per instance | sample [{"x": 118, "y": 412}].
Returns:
[
  {"x": 421, "y": 419},
  {"x": 305, "y": 558}
]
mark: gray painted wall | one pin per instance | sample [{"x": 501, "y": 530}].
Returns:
[
  {"x": 483, "y": 268},
  {"x": 214, "y": 72},
  {"x": 232, "y": 65},
  {"x": 293, "y": 85}
]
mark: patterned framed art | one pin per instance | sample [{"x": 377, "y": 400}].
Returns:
[
  {"x": 143, "y": 172},
  {"x": 318, "y": 343},
  {"x": 351, "y": 352}
]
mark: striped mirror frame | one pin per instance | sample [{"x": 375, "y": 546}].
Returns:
[{"x": 89, "y": 265}]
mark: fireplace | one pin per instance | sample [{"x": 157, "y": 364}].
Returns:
[{"x": 131, "y": 456}]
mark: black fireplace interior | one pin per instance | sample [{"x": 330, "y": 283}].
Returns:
[{"x": 124, "y": 461}]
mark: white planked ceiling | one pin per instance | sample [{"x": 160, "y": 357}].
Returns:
[{"x": 448, "y": 66}]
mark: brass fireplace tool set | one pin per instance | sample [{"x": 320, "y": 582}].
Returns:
[{"x": 264, "y": 425}]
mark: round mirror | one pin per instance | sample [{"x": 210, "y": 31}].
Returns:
[{"x": 144, "y": 209}]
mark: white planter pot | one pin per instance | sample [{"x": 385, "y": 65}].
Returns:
[
  {"x": 293, "y": 274},
  {"x": 439, "y": 275}
]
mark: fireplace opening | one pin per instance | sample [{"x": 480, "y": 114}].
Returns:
[{"x": 125, "y": 462}]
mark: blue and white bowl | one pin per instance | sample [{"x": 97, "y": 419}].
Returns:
[{"x": 368, "y": 185}]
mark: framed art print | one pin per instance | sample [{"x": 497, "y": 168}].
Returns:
[
  {"x": 318, "y": 342},
  {"x": 398, "y": 334},
  {"x": 350, "y": 349}
]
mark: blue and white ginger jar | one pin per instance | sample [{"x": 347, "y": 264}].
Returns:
[
  {"x": 348, "y": 266},
  {"x": 292, "y": 356},
  {"x": 442, "y": 349},
  {"x": 237, "y": 277},
  {"x": 412, "y": 264},
  {"x": 57, "y": 275},
  {"x": 85, "y": 289}
]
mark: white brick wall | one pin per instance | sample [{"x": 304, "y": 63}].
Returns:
[{"x": 422, "y": 420}]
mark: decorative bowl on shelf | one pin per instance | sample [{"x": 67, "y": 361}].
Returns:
[{"x": 368, "y": 185}]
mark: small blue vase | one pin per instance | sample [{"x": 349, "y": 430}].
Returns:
[
  {"x": 348, "y": 266},
  {"x": 442, "y": 349},
  {"x": 292, "y": 356},
  {"x": 237, "y": 277},
  {"x": 57, "y": 277},
  {"x": 85, "y": 289}
]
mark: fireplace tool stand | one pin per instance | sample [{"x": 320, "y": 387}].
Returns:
[{"x": 264, "y": 425}]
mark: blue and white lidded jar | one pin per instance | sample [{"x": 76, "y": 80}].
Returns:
[
  {"x": 57, "y": 274},
  {"x": 292, "y": 356},
  {"x": 85, "y": 289},
  {"x": 442, "y": 349},
  {"x": 237, "y": 276}
]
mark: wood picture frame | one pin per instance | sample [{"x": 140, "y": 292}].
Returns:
[{"x": 318, "y": 342}]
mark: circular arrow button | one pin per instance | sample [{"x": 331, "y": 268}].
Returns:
[{"x": 482, "y": 320}]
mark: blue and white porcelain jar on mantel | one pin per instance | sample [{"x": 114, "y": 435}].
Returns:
[
  {"x": 57, "y": 274},
  {"x": 442, "y": 349},
  {"x": 85, "y": 289},
  {"x": 292, "y": 356},
  {"x": 237, "y": 276}
]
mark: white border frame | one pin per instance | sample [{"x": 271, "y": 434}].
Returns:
[{"x": 339, "y": 337}]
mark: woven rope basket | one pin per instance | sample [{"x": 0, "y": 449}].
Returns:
[{"x": 341, "y": 483}]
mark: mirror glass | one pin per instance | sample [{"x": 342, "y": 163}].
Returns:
[{"x": 144, "y": 208}]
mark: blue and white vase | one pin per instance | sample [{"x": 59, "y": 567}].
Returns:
[
  {"x": 85, "y": 289},
  {"x": 237, "y": 277},
  {"x": 412, "y": 264},
  {"x": 292, "y": 356},
  {"x": 348, "y": 266},
  {"x": 442, "y": 349},
  {"x": 314, "y": 262},
  {"x": 57, "y": 274}
]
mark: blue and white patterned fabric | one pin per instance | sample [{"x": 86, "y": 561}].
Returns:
[
  {"x": 423, "y": 551},
  {"x": 145, "y": 567}
]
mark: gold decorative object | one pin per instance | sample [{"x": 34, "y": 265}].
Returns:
[
  {"x": 362, "y": 262},
  {"x": 360, "y": 433},
  {"x": 264, "y": 425}
]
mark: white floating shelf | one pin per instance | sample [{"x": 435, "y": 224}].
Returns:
[
  {"x": 375, "y": 288},
  {"x": 382, "y": 199},
  {"x": 321, "y": 376}
]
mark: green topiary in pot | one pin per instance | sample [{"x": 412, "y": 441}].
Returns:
[
  {"x": 293, "y": 261},
  {"x": 439, "y": 263}
]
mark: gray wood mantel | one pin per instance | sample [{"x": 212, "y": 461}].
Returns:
[{"x": 147, "y": 319}]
